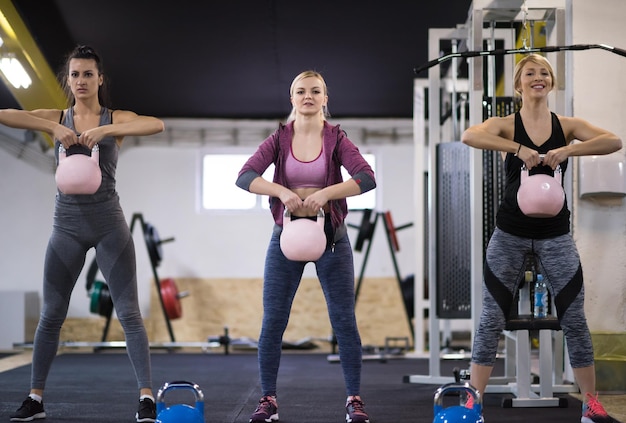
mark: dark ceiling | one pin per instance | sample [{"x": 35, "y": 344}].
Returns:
[{"x": 236, "y": 58}]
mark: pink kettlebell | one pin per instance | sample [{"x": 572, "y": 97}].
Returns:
[
  {"x": 79, "y": 173},
  {"x": 540, "y": 195},
  {"x": 303, "y": 239}
]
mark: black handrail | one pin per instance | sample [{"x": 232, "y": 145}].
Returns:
[{"x": 502, "y": 52}]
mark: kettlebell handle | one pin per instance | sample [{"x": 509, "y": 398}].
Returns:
[
  {"x": 287, "y": 215},
  {"x": 455, "y": 387},
  {"x": 180, "y": 413},
  {"x": 458, "y": 413},
  {"x": 63, "y": 151},
  {"x": 558, "y": 173},
  {"x": 181, "y": 384},
  {"x": 541, "y": 157}
]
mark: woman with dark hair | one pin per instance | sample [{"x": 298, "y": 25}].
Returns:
[{"x": 87, "y": 220}]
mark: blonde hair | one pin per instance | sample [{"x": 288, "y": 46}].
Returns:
[
  {"x": 300, "y": 77},
  {"x": 536, "y": 59}
]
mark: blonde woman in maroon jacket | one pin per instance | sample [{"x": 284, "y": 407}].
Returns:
[{"x": 308, "y": 153}]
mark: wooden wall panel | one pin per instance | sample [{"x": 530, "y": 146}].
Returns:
[{"x": 213, "y": 304}]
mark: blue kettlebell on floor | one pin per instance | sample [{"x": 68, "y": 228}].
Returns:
[
  {"x": 180, "y": 413},
  {"x": 458, "y": 413}
]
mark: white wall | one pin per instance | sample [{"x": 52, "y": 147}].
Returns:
[
  {"x": 161, "y": 181},
  {"x": 26, "y": 214},
  {"x": 600, "y": 97}
]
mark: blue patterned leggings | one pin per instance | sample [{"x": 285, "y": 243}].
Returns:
[{"x": 335, "y": 270}]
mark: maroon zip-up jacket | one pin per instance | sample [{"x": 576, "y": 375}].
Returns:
[{"x": 339, "y": 151}]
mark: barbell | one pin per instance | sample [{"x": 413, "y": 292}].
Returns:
[
  {"x": 102, "y": 304},
  {"x": 171, "y": 298},
  {"x": 153, "y": 243}
]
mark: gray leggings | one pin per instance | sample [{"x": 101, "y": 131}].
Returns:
[
  {"x": 76, "y": 229},
  {"x": 559, "y": 262}
]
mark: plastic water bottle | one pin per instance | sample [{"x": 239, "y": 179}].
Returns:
[{"x": 541, "y": 298}]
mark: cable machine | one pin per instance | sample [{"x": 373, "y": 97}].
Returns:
[
  {"x": 477, "y": 39},
  {"x": 555, "y": 14}
]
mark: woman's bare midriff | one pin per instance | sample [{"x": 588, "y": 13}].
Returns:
[{"x": 304, "y": 193}]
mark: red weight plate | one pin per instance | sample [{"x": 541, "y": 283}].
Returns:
[
  {"x": 171, "y": 299},
  {"x": 391, "y": 230}
]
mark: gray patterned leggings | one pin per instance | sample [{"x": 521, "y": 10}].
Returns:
[
  {"x": 559, "y": 262},
  {"x": 77, "y": 228}
]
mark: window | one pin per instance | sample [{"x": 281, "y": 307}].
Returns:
[{"x": 219, "y": 192}]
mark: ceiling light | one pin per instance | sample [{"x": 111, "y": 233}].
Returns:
[{"x": 15, "y": 72}]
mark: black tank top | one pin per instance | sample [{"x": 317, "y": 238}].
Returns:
[{"x": 510, "y": 218}]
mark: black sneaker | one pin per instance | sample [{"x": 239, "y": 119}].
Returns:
[
  {"x": 355, "y": 412},
  {"x": 29, "y": 411},
  {"x": 266, "y": 411},
  {"x": 146, "y": 411}
]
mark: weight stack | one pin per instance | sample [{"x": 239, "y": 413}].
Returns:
[
  {"x": 453, "y": 231},
  {"x": 493, "y": 166},
  {"x": 493, "y": 191}
]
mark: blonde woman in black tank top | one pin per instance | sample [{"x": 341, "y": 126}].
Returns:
[{"x": 522, "y": 137}]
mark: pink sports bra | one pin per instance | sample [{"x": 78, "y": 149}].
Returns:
[{"x": 300, "y": 174}]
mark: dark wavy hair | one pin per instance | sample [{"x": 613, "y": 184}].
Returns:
[{"x": 84, "y": 52}]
